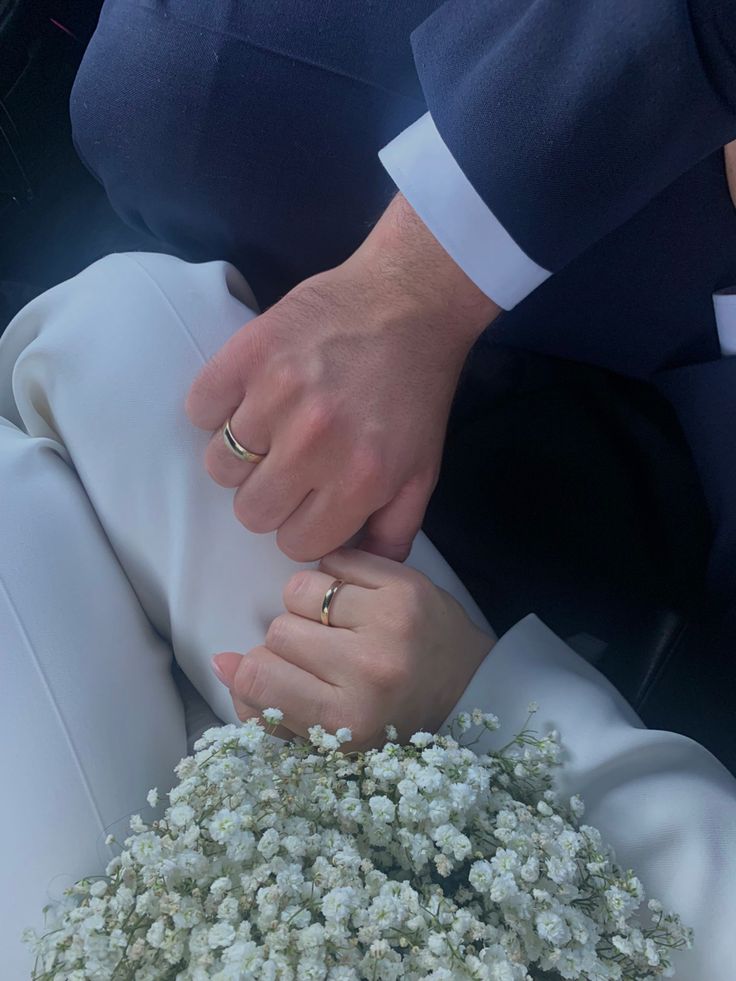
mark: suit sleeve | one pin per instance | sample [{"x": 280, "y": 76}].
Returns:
[{"x": 565, "y": 117}]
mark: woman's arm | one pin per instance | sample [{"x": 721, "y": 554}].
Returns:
[{"x": 399, "y": 651}]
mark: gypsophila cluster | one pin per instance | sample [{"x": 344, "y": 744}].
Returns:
[{"x": 301, "y": 861}]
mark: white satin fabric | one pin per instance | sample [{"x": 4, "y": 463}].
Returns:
[{"x": 116, "y": 548}]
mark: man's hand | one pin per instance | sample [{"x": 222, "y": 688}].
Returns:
[
  {"x": 730, "y": 156},
  {"x": 399, "y": 650},
  {"x": 346, "y": 386}
]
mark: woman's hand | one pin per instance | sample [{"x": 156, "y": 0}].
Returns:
[
  {"x": 399, "y": 650},
  {"x": 729, "y": 152}
]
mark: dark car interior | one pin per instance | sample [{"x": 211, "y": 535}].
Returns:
[{"x": 582, "y": 491}]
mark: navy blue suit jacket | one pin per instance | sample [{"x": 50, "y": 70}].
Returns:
[
  {"x": 587, "y": 126},
  {"x": 593, "y": 129}
]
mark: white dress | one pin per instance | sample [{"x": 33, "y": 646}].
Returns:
[{"x": 117, "y": 549}]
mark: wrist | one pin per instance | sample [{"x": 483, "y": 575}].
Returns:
[
  {"x": 467, "y": 659},
  {"x": 409, "y": 276}
]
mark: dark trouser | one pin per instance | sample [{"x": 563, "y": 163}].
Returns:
[{"x": 249, "y": 131}]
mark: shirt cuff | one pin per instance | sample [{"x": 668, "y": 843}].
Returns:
[
  {"x": 725, "y": 306},
  {"x": 429, "y": 177}
]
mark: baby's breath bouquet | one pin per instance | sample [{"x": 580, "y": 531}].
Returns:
[{"x": 301, "y": 861}]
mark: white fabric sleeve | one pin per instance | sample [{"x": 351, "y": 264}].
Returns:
[
  {"x": 725, "y": 307},
  {"x": 429, "y": 177},
  {"x": 664, "y": 801}
]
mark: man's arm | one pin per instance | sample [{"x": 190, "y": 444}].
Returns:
[
  {"x": 346, "y": 386},
  {"x": 552, "y": 122},
  {"x": 563, "y": 117}
]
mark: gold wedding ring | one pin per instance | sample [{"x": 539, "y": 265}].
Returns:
[
  {"x": 327, "y": 601},
  {"x": 237, "y": 449}
]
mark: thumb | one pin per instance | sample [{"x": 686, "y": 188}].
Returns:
[
  {"x": 225, "y": 667},
  {"x": 391, "y": 530}
]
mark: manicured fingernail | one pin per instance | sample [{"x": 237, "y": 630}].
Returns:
[{"x": 219, "y": 673}]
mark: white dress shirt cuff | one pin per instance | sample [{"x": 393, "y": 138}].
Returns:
[
  {"x": 429, "y": 177},
  {"x": 725, "y": 306}
]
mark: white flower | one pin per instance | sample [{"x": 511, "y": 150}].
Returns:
[
  {"x": 224, "y": 824},
  {"x": 273, "y": 716},
  {"x": 561, "y": 870},
  {"x": 503, "y": 887},
  {"x": 490, "y": 721},
  {"x": 422, "y": 739},
  {"x": 323, "y": 740},
  {"x": 530, "y": 869},
  {"x": 481, "y": 876},
  {"x": 269, "y": 844},
  {"x": 220, "y": 887},
  {"x": 137, "y": 825},
  {"x": 382, "y": 809},
  {"x": 618, "y": 900},
  {"x": 419, "y": 861},
  {"x": 351, "y": 808},
  {"x": 550, "y": 926},
  {"x": 443, "y": 865},
  {"x": 180, "y": 815},
  {"x": 577, "y": 806},
  {"x": 152, "y": 797},
  {"x": 220, "y": 935},
  {"x": 155, "y": 934},
  {"x": 338, "y": 903},
  {"x": 465, "y": 721},
  {"x": 505, "y": 860}
]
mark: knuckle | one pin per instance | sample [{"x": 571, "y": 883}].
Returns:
[
  {"x": 407, "y": 604},
  {"x": 388, "y": 675},
  {"x": 296, "y": 586},
  {"x": 218, "y": 474},
  {"x": 252, "y": 680},
  {"x": 286, "y": 379},
  {"x": 414, "y": 593},
  {"x": 293, "y": 548},
  {"x": 214, "y": 459},
  {"x": 249, "y": 517},
  {"x": 367, "y": 469},
  {"x": 318, "y": 419},
  {"x": 204, "y": 388},
  {"x": 277, "y": 633}
]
